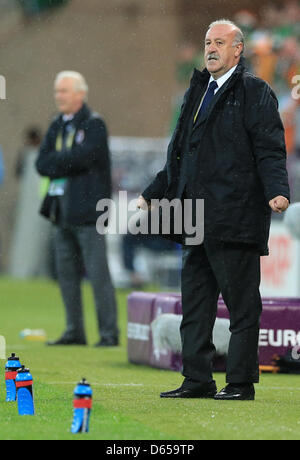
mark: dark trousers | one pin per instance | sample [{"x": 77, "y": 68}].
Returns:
[
  {"x": 208, "y": 270},
  {"x": 75, "y": 248}
]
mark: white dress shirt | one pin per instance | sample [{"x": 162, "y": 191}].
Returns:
[
  {"x": 220, "y": 81},
  {"x": 68, "y": 117}
]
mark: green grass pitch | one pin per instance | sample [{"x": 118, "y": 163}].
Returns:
[{"x": 126, "y": 397}]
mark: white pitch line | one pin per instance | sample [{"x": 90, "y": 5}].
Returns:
[
  {"x": 278, "y": 388},
  {"x": 259, "y": 388},
  {"x": 100, "y": 384}
]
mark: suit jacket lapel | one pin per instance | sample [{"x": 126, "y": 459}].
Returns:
[{"x": 204, "y": 116}]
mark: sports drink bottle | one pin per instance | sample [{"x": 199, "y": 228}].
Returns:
[
  {"x": 24, "y": 385},
  {"x": 11, "y": 367},
  {"x": 82, "y": 407}
]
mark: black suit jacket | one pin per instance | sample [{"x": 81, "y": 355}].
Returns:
[{"x": 238, "y": 157}]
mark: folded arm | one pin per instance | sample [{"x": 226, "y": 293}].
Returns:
[{"x": 80, "y": 159}]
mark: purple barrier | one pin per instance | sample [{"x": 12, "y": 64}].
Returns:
[
  {"x": 166, "y": 359},
  {"x": 140, "y": 316},
  {"x": 280, "y": 328}
]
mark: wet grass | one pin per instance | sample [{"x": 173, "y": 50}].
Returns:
[{"x": 126, "y": 397}]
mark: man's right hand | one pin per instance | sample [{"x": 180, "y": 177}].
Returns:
[
  {"x": 279, "y": 204},
  {"x": 143, "y": 204}
]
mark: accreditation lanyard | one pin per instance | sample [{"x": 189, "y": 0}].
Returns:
[{"x": 57, "y": 186}]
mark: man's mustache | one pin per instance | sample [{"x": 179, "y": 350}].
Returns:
[{"x": 212, "y": 56}]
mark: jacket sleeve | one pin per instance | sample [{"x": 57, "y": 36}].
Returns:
[
  {"x": 267, "y": 136},
  {"x": 157, "y": 188},
  {"x": 80, "y": 159}
]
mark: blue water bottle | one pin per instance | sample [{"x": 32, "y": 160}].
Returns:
[
  {"x": 24, "y": 385},
  {"x": 11, "y": 367},
  {"x": 82, "y": 407}
]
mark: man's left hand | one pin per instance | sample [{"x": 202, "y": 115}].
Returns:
[{"x": 279, "y": 204}]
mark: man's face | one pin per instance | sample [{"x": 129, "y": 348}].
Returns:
[
  {"x": 68, "y": 99},
  {"x": 220, "y": 54}
]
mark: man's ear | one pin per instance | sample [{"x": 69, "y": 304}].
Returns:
[{"x": 239, "y": 50}]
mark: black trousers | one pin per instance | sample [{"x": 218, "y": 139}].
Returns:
[{"x": 232, "y": 269}]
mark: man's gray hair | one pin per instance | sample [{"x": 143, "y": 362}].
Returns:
[
  {"x": 80, "y": 83},
  {"x": 239, "y": 38}
]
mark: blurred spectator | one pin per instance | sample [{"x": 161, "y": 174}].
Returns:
[
  {"x": 247, "y": 20},
  {"x": 32, "y": 141},
  {"x": 75, "y": 156},
  {"x": 37, "y": 252}
]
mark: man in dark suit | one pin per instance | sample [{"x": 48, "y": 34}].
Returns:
[
  {"x": 75, "y": 156},
  {"x": 228, "y": 149}
]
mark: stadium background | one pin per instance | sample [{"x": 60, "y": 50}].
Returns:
[{"x": 136, "y": 56}]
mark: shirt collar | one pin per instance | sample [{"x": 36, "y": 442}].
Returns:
[
  {"x": 67, "y": 118},
  {"x": 220, "y": 81}
]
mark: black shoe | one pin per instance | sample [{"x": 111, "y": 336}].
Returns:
[
  {"x": 107, "y": 343},
  {"x": 66, "y": 341},
  {"x": 237, "y": 392},
  {"x": 205, "y": 391}
]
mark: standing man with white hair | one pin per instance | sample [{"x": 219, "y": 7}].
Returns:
[
  {"x": 75, "y": 157},
  {"x": 228, "y": 149}
]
